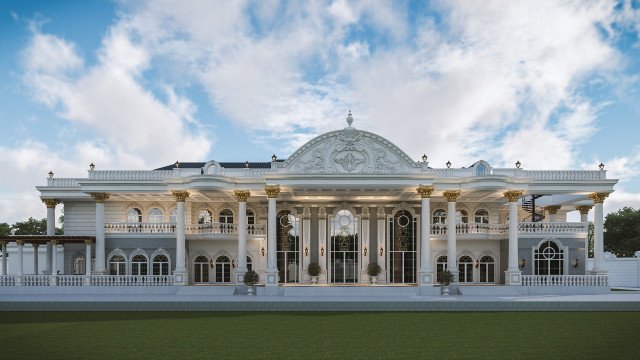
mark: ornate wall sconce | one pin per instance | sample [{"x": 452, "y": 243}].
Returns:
[
  {"x": 262, "y": 251},
  {"x": 381, "y": 251},
  {"x": 477, "y": 263},
  {"x": 306, "y": 251},
  {"x": 365, "y": 251},
  {"x": 211, "y": 264},
  {"x": 322, "y": 251},
  {"x": 523, "y": 262},
  {"x": 233, "y": 263},
  {"x": 575, "y": 263}
]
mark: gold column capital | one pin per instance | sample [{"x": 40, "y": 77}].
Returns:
[
  {"x": 552, "y": 209},
  {"x": 50, "y": 203},
  {"x": 598, "y": 198},
  {"x": 54, "y": 242},
  {"x": 242, "y": 195},
  {"x": 272, "y": 190},
  {"x": 3, "y": 243},
  {"x": 513, "y": 195},
  {"x": 425, "y": 191},
  {"x": 19, "y": 242},
  {"x": 181, "y": 196},
  {"x": 88, "y": 242},
  {"x": 584, "y": 209},
  {"x": 451, "y": 195},
  {"x": 99, "y": 197}
]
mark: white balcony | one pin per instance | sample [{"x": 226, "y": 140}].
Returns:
[
  {"x": 470, "y": 230},
  {"x": 565, "y": 280},
  {"x": 170, "y": 228}
]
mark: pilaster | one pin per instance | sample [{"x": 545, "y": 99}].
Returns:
[{"x": 513, "y": 275}]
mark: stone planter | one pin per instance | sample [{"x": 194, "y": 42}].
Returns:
[
  {"x": 374, "y": 279},
  {"x": 314, "y": 279},
  {"x": 445, "y": 290},
  {"x": 251, "y": 290}
]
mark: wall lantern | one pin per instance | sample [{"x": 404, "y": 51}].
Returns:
[
  {"x": 262, "y": 250},
  {"x": 211, "y": 264},
  {"x": 601, "y": 166},
  {"x": 306, "y": 251},
  {"x": 575, "y": 262},
  {"x": 233, "y": 263},
  {"x": 381, "y": 251},
  {"x": 365, "y": 251},
  {"x": 523, "y": 262},
  {"x": 92, "y": 166},
  {"x": 518, "y": 164},
  {"x": 448, "y": 164},
  {"x": 424, "y": 158},
  {"x": 322, "y": 251},
  {"x": 477, "y": 263},
  {"x": 50, "y": 174},
  {"x": 274, "y": 158}
]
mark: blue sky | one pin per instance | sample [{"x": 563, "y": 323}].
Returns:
[{"x": 138, "y": 85}]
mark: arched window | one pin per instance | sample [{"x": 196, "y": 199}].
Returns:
[
  {"x": 156, "y": 215},
  {"x": 487, "y": 269},
  {"x": 440, "y": 217},
  {"x": 160, "y": 265},
  {"x": 223, "y": 269},
  {"x": 462, "y": 217},
  {"x": 139, "y": 265},
  {"x": 465, "y": 268},
  {"x": 117, "y": 265},
  {"x": 288, "y": 247},
  {"x": 173, "y": 216},
  {"x": 201, "y": 269},
  {"x": 134, "y": 215},
  {"x": 249, "y": 263},
  {"x": 481, "y": 216},
  {"x": 441, "y": 265},
  {"x": 78, "y": 265},
  {"x": 204, "y": 216},
  {"x": 226, "y": 216},
  {"x": 549, "y": 259}
]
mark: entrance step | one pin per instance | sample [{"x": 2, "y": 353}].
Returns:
[
  {"x": 491, "y": 290},
  {"x": 206, "y": 290},
  {"x": 347, "y": 291}
]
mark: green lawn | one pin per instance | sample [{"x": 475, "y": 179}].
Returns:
[{"x": 503, "y": 335}]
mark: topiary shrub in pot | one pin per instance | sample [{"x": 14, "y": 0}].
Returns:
[
  {"x": 447, "y": 277},
  {"x": 251, "y": 278},
  {"x": 314, "y": 270},
  {"x": 373, "y": 270}
]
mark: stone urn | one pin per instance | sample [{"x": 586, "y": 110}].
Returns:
[
  {"x": 445, "y": 290},
  {"x": 374, "y": 279},
  {"x": 251, "y": 290},
  {"x": 314, "y": 279}
]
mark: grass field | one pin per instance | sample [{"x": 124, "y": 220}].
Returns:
[{"x": 139, "y": 335}]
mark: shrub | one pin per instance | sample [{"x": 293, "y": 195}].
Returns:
[
  {"x": 373, "y": 269},
  {"x": 251, "y": 278},
  {"x": 446, "y": 277},
  {"x": 314, "y": 269}
]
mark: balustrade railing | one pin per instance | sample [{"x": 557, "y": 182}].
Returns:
[
  {"x": 552, "y": 227},
  {"x": 36, "y": 280},
  {"x": 63, "y": 182},
  {"x": 565, "y": 280},
  {"x": 138, "y": 175},
  {"x": 473, "y": 228},
  {"x": 7, "y": 280},
  {"x": 132, "y": 280},
  {"x": 139, "y": 228},
  {"x": 70, "y": 280}
]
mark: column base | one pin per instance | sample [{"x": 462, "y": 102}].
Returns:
[
  {"x": 240, "y": 276},
  {"x": 271, "y": 278},
  {"x": 425, "y": 278},
  {"x": 180, "y": 277},
  {"x": 100, "y": 271},
  {"x": 456, "y": 277},
  {"x": 87, "y": 280},
  {"x": 17, "y": 280},
  {"x": 53, "y": 281},
  {"x": 513, "y": 277}
]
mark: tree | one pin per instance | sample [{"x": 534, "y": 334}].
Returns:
[
  {"x": 31, "y": 227},
  {"x": 5, "y": 229},
  {"x": 622, "y": 232}
]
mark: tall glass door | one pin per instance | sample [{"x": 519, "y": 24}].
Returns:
[
  {"x": 403, "y": 252},
  {"x": 344, "y": 248}
]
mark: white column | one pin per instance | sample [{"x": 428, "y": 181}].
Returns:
[
  {"x": 54, "y": 263},
  {"x": 87, "y": 262},
  {"x": 364, "y": 278},
  {"x": 452, "y": 262},
  {"x": 242, "y": 197},
  {"x": 381, "y": 248},
  {"x": 272, "y": 267},
  {"x": 4, "y": 257},
  {"x": 598, "y": 228},
  {"x": 180, "y": 274},
  {"x": 584, "y": 214},
  {"x": 322, "y": 244},
  {"x": 426, "y": 270},
  {"x": 306, "y": 242},
  {"x": 20, "y": 244},
  {"x": 35, "y": 258},
  {"x": 100, "y": 198},
  {"x": 51, "y": 230},
  {"x": 513, "y": 273}
]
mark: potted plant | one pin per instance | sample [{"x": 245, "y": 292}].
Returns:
[
  {"x": 446, "y": 277},
  {"x": 373, "y": 269},
  {"x": 251, "y": 278},
  {"x": 314, "y": 270}
]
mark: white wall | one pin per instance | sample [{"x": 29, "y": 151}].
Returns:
[
  {"x": 80, "y": 218},
  {"x": 623, "y": 272},
  {"x": 27, "y": 262}
]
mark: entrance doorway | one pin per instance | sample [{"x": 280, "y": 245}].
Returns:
[{"x": 344, "y": 248}]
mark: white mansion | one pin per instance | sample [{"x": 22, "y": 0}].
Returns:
[{"x": 344, "y": 200}]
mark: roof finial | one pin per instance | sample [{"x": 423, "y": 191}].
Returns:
[{"x": 349, "y": 118}]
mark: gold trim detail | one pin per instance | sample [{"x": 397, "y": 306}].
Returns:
[
  {"x": 181, "y": 196},
  {"x": 88, "y": 242},
  {"x": 513, "y": 195},
  {"x": 50, "y": 203},
  {"x": 451, "y": 195},
  {"x": 54, "y": 242},
  {"x": 584, "y": 209},
  {"x": 242, "y": 195},
  {"x": 425, "y": 191},
  {"x": 100, "y": 197},
  {"x": 272, "y": 190},
  {"x": 598, "y": 198},
  {"x": 552, "y": 209},
  {"x": 19, "y": 242}
]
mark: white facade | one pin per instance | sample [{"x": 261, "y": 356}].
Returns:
[{"x": 344, "y": 200}]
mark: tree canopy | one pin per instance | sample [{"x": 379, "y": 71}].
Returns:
[
  {"x": 622, "y": 232},
  {"x": 28, "y": 227}
]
